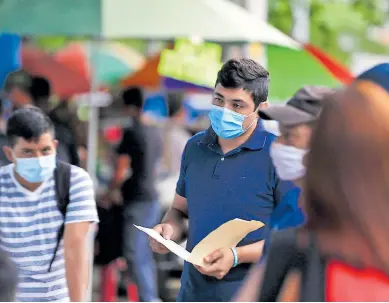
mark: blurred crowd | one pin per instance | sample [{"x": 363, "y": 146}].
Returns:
[{"x": 319, "y": 187}]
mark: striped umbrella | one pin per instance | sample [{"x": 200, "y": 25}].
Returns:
[{"x": 109, "y": 61}]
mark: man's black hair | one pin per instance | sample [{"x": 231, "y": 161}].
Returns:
[
  {"x": 246, "y": 74},
  {"x": 40, "y": 88},
  {"x": 8, "y": 278},
  {"x": 28, "y": 123},
  {"x": 133, "y": 96}
]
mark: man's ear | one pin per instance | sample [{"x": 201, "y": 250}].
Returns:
[
  {"x": 56, "y": 144},
  {"x": 8, "y": 154},
  {"x": 263, "y": 105}
]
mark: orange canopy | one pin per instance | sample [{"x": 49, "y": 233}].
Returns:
[{"x": 147, "y": 76}]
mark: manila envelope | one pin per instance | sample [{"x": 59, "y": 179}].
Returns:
[{"x": 227, "y": 235}]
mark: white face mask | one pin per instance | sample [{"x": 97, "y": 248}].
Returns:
[{"x": 288, "y": 161}]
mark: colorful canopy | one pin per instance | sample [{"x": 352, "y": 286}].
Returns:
[
  {"x": 289, "y": 69},
  {"x": 292, "y": 69},
  {"x": 64, "y": 80},
  {"x": 216, "y": 20},
  {"x": 109, "y": 61},
  {"x": 148, "y": 77}
]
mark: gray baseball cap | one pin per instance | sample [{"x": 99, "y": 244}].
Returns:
[{"x": 303, "y": 107}]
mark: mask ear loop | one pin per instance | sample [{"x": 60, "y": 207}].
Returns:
[{"x": 252, "y": 123}]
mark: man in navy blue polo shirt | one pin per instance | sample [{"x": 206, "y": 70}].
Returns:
[{"x": 226, "y": 173}]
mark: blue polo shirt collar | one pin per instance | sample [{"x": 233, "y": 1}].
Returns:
[{"x": 256, "y": 141}]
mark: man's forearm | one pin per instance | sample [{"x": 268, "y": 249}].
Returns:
[
  {"x": 77, "y": 273},
  {"x": 121, "y": 165},
  {"x": 250, "y": 253},
  {"x": 176, "y": 218}
]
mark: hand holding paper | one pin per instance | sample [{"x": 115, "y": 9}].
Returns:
[
  {"x": 226, "y": 236},
  {"x": 166, "y": 230},
  {"x": 171, "y": 245},
  {"x": 218, "y": 263}
]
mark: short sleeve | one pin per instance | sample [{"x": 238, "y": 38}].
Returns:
[
  {"x": 281, "y": 190},
  {"x": 181, "y": 183},
  {"x": 82, "y": 205},
  {"x": 126, "y": 144}
]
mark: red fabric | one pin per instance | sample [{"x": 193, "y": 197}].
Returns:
[
  {"x": 113, "y": 134},
  {"x": 108, "y": 283},
  {"x": 64, "y": 80},
  {"x": 348, "y": 284},
  {"x": 339, "y": 71},
  {"x": 132, "y": 292},
  {"x": 74, "y": 57}
]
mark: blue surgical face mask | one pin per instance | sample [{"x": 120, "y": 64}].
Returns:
[
  {"x": 226, "y": 123},
  {"x": 36, "y": 170}
]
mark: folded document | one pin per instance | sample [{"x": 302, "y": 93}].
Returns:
[{"x": 227, "y": 235}]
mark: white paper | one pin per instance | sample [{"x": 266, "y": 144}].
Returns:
[
  {"x": 227, "y": 235},
  {"x": 171, "y": 245}
]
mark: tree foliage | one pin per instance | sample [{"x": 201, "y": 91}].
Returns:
[{"x": 334, "y": 23}]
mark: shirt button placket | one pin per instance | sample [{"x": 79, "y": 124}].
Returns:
[{"x": 216, "y": 172}]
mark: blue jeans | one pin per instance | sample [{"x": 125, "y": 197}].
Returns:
[{"x": 136, "y": 248}]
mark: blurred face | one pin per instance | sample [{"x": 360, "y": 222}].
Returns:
[
  {"x": 46, "y": 145},
  {"x": 297, "y": 136},
  {"x": 19, "y": 98},
  {"x": 179, "y": 117},
  {"x": 288, "y": 152},
  {"x": 237, "y": 100},
  {"x": 35, "y": 160}
]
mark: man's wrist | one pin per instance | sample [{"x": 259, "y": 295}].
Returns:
[
  {"x": 250, "y": 253},
  {"x": 175, "y": 218},
  {"x": 236, "y": 257},
  {"x": 177, "y": 232}
]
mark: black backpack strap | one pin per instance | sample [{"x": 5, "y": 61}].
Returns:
[
  {"x": 313, "y": 282},
  {"x": 62, "y": 191},
  {"x": 286, "y": 254},
  {"x": 283, "y": 255}
]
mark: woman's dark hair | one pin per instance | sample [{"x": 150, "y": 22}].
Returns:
[
  {"x": 246, "y": 74},
  {"x": 28, "y": 123},
  {"x": 347, "y": 180}
]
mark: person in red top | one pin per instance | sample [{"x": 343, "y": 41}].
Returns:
[{"x": 342, "y": 252}]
